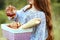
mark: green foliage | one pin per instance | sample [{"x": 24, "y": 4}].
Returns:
[
  {"x": 54, "y": 1},
  {"x": 56, "y": 20},
  {"x": 56, "y": 9},
  {"x": 2, "y": 4},
  {"x": 2, "y": 17},
  {"x": 58, "y": 1},
  {"x": 17, "y": 3}
]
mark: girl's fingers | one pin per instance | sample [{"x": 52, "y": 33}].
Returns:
[{"x": 14, "y": 25}]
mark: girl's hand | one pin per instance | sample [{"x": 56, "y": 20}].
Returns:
[
  {"x": 14, "y": 25},
  {"x": 11, "y": 11}
]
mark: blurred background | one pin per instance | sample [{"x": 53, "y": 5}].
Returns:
[{"x": 21, "y": 3}]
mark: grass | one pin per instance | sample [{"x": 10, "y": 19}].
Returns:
[
  {"x": 3, "y": 38},
  {"x": 55, "y": 18}
]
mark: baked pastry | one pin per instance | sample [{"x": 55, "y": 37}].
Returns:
[{"x": 14, "y": 25}]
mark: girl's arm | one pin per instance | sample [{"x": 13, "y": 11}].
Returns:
[{"x": 31, "y": 23}]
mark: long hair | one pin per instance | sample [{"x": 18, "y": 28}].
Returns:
[{"x": 44, "y": 5}]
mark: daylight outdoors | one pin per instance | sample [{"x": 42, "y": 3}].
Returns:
[{"x": 55, "y": 5}]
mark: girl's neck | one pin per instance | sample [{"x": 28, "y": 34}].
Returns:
[{"x": 33, "y": 8}]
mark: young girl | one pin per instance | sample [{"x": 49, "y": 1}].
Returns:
[{"x": 36, "y": 9}]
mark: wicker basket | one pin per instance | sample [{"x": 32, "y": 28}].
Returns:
[{"x": 15, "y": 34}]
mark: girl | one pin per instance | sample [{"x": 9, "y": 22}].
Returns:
[{"x": 36, "y": 9}]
